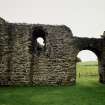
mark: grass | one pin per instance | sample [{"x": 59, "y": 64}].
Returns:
[
  {"x": 87, "y": 91},
  {"x": 87, "y": 68}
]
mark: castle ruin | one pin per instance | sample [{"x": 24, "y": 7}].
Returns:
[{"x": 24, "y": 62}]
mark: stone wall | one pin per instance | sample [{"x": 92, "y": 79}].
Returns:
[{"x": 24, "y": 62}]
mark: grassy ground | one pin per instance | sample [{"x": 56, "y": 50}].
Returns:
[
  {"x": 87, "y": 68},
  {"x": 87, "y": 91}
]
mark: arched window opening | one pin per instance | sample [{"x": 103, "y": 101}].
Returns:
[
  {"x": 87, "y": 67},
  {"x": 38, "y": 40}
]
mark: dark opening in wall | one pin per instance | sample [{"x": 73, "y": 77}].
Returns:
[{"x": 38, "y": 40}]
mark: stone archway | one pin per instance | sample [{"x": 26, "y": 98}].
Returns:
[{"x": 94, "y": 45}]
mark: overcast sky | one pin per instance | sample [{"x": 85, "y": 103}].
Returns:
[{"x": 86, "y": 18}]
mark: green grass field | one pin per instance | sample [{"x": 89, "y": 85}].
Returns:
[
  {"x": 87, "y": 68},
  {"x": 87, "y": 91}
]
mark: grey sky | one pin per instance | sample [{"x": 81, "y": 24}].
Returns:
[{"x": 86, "y": 18}]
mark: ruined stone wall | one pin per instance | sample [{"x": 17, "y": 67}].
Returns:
[
  {"x": 3, "y": 52},
  {"x": 24, "y": 62}
]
